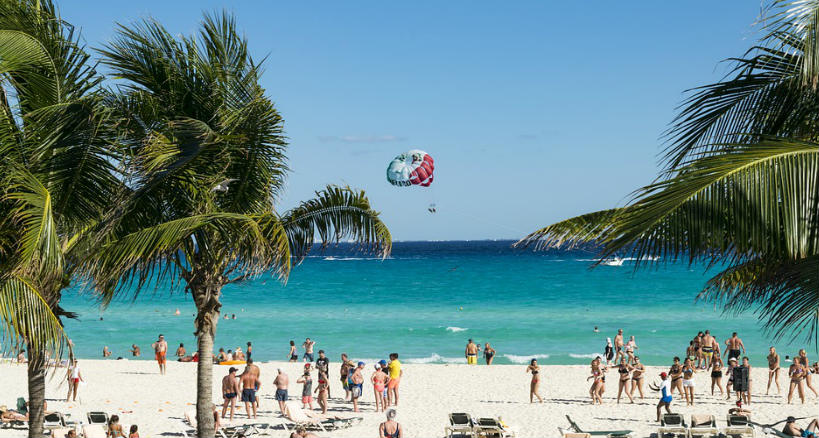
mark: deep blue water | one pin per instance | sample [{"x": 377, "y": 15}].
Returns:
[{"x": 427, "y": 299}]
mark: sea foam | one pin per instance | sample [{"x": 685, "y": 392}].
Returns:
[
  {"x": 456, "y": 329},
  {"x": 524, "y": 359}
]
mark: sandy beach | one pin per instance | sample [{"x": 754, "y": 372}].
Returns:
[{"x": 134, "y": 391}]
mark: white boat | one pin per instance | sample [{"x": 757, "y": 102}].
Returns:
[{"x": 613, "y": 261}]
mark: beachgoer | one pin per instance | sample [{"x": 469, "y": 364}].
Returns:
[
  {"x": 385, "y": 368},
  {"x": 608, "y": 353},
  {"x": 230, "y": 389},
  {"x": 624, "y": 369},
  {"x": 160, "y": 351},
  {"x": 293, "y": 356},
  {"x": 732, "y": 363},
  {"x": 222, "y": 356},
  {"x": 323, "y": 366},
  {"x": 596, "y": 330},
  {"x": 357, "y": 384},
  {"x": 301, "y": 432},
  {"x": 307, "y": 389},
  {"x": 105, "y": 351},
  {"x": 793, "y": 430},
  {"x": 637, "y": 378},
  {"x": 803, "y": 357},
  {"x": 675, "y": 376},
  {"x": 74, "y": 379},
  {"x": 707, "y": 348},
  {"x": 249, "y": 350},
  {"x": 323, "y": 390},
  {"x": 281, "y": 383},
  {"x": 631, "y": 345},
  {"x": 739, "y": 410},
  {"x": 135, "y": 350},
  {"x": 746, "y": 394},
  {"x": 250, "y": 384},
  {"x": 232, "y": 316},
  {"x": 395, "y": 379},
  {"x": 134, "y": 431},
  {"x": 716, "y": 374},
  {"x": 177, "y": 312},
  {"x": 346, "y": 366},
  {"x": 733, "y": 346},
  {"x": 217, "y": 422},
  {"x": 665, "y": 395},
  {"x": 534, "y": 384},
  {"x": 180, "y": 351},
  {"x": 598, "y": 374},
  {"x": 229, "y": 355},
  {"x": 238, "y": 354},
  {"x": 308, "y": 350},
  {"x": 488, "y": 353},
  {"x": 698, "y": 340},
  {"x": 773, "y": 370},
  {"x": 471, "y": 353},
  {"x": 253, "y": 369},
  {"x": 114, "y": 428},
  {"x": 390, "y": 428},
  {"x": 796, "y": 372},
  {"x": 688, "y": 382},
  {"x": 618, "y": 345},
  {"x": 691, "y": 351},
  {"x": 379, "y": 381}
]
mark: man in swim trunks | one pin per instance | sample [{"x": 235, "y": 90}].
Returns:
[
  {"x": 395, "y": 379},
  {"x": 308, "y": 349},
  {"x": 281, "y": 383},
  {"x": 346, "y": 366},
  {"x": 733, "y": 345},
  {"x": 792, "y": 430},
  {"x": 250, "y": 384},
  {"x": 230, "y": 388},
  {"x": 160, "y": 350},
  {"x": 357, "y": 381},
  {"x": 665, "y": 395},
  {"x": 618, "y": 346},
  {"x": 471, "y": 353},
  {"x": 135, "y": 350},
  {"x": 708, "y": 349}
]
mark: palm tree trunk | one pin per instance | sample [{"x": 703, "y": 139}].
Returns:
[
  {"x": 36, "y": 394},
  {"x": 208, "y": 305}
]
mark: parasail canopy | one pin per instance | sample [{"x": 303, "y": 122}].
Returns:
[{"x": 411, "y": 168}]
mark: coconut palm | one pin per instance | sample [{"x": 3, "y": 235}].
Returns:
[
  {"x": 740, "y": 189},
  {"x": 206, "y": 164},
  {"x": 57, "y": 177}
]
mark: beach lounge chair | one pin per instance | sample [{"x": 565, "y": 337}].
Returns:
[
  {"x": 59, "y": 432},
  {"x": 491, "y": 428},
  {"x": 97, "y": 417},
  {"x": 93, "y": 431},
  {"x": 703, "y": 425},
  {"x": 574, "y": 427},
  {"x": 738, "y": 426},
  {"x": 188, "y": 428},
  {"x": 460, "y": 424},
  {"x": 296, "y": 415},
  {"x": 672, "y": 425}
]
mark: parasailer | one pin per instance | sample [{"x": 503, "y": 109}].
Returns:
[{"x": 414, "y": 167}]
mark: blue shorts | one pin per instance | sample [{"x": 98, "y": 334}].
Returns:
[
  {"x": 308, "y": 357},
  {"x": 249, "y": 395},
  {"x": 666, "y": 399},
  {"x": 281, "y": 394},
  {"x": 808, "y": 434}
]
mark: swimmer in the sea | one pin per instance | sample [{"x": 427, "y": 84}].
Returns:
[{"x": 488, "y": 353}]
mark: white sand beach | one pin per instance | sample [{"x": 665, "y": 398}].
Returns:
[{"x": 138, "y": 394}]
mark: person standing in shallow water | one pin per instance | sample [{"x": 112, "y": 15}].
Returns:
[
  {"x": 292, "y": 356},
  {"x": 534, "y": 384},
  {"x": 471, "y": 353},
  {"x": 488, "y": 353}
]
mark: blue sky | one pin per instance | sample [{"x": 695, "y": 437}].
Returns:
[{"x": 534, "y": 111}]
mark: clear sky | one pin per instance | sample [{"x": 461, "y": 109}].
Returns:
[{"x": 534, "y": 111}]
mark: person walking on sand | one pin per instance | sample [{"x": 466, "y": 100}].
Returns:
[
  {"x": 631, "y": 345},
  {"x": 250, "y": 384},
  {"x": 292, "y": 356},
  {"x": 395, "y": 379},
  {"x": 716, "y": 375},
  {"x": 160, "y": 351},
  {"x": 390, "y": 428},
  {"x": 637, "y": 377},
  {"x": 230, "y": 389},
  {"x": 707, "y": 349},
  {"x": 675, "y": 376},
  {"x": 471, "y": 353},
  {"x": 624, "y": 370},
  {"x": 488, "y": 353},
  {"x": 357, "y": 384},
  {"x": 308, "y": 349},
  {"x": 534, "y": 384},
  {"x": 733, "y": 346},
  {"x": 773, "y": 370},
  {"x": 665, "y": 395},
  {"x": 598, "y": 374},
  {"x": 74, "y": 379},
  {"x": 608, "y": 352},
  {"x": 307, "y": 389},
  {"x": 803, "y": 358},
  {"x": 281, "y": 383},
  {"x": 796, "y": 373},
  {"x": 379, "y": 381},
  {"x": 688, "y": 381},
  {"x": 618, "y": 346}
]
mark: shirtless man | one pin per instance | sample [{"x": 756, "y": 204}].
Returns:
[
  {"x": 230, "y": 388},
  {"x": 618, "y": 346},
  {"x": 160, "y": 350},
  {"x": 733, "y": 345},
  {"x": 358, "y": 385},
  {"x": 250, "y": 384},
  {"x": 251, "y": 368},
  {"x": 471, "y": 353},
  {"x": 346, "y": 367},
  {"x": 707, "y": 349},
  {"x": 281, "y": 383},
  {"x": 308, "y": 350},
  {"x": 135, "y": 350},
  {"x": 793, "y": 430},
  {"x": 180, "y": 352}
]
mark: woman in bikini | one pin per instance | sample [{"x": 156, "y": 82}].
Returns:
[
  {"x": 638, "y": 369},
  {"x": 796, "y": 373},
  {"x": 535, "y": 384},
  {"x": 323, "y": 390},
  {"x": 631, "y": 345},
  {"x": 624, "y": 370},
  {"x": 488, "y": 353},
  {"x": 732, "y": 363},
  {"x": 675, "y": 374},
  {"x": 803, "y": 357},
  {"x": 773, "y": 370},
  {"x": 598, "y": 374},
  {"x": 293, "y": 356},
  {"x": 114, "y": 428},
  {"x": 688, "y": 381},
  {"x": 379, "y": 381},
  {"x": 716, "y": 374}
]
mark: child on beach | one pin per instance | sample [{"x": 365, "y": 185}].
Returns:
[
  {"x": 114, "y": 428},
  {"x": 307, "y": 389},
  {"x": 323, "y": 390},
  {"x": 134, "y": 432}
]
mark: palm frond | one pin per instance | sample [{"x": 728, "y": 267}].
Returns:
[
  {"x": 586, "y": 229},
  {"x": 26, "y": 318}
]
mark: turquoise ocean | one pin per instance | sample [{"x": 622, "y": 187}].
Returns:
[{"x": 427, "y": 299}]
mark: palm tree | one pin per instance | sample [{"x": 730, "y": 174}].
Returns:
[
  {"x": 57, "y": 177},
  {"x": 740, "y": 188},
  {"x": 206, "y": 164}
]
